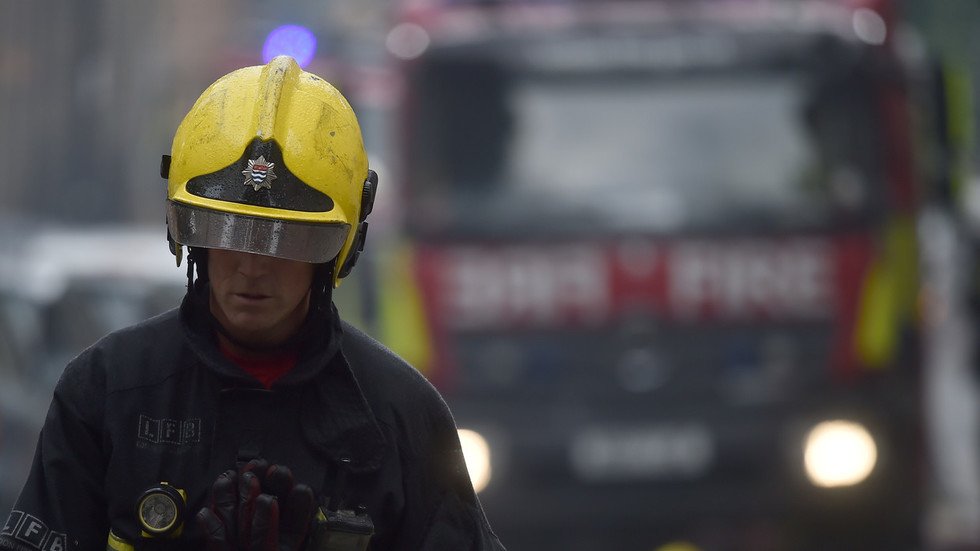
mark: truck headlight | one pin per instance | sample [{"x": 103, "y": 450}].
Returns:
[
  {"x": 839, "y": 453},
  {"x": 476, "y": 452}
]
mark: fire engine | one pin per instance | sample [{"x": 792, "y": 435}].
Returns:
[{"x": 661, "y": 260}]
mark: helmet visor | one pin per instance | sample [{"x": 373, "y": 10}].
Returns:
[{"x": 211, "y": 229}]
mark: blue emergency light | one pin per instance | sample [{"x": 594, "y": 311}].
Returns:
[{"x": 295, "y": 41}]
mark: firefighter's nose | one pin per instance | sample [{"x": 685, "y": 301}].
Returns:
[{"x": 252, "y": 265}]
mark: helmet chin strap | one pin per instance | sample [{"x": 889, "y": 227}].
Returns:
[
  {"x": 321, "y": 290},
  {"x": 196, "y": 257}
]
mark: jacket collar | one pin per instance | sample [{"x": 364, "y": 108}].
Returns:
[{"x": 338, "y": 421}]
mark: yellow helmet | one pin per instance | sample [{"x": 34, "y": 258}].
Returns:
[{"x": 270, "y": 160}]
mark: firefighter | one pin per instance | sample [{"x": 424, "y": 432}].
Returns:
[{"x": 252, "y": 417}]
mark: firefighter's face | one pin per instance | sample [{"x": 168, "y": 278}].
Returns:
[{"x": 259, "y": 299}]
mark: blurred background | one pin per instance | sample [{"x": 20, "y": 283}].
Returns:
[{"x": 691, "y": 274}]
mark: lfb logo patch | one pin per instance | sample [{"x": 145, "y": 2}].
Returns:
[
  {"x": 32, "y": 532},
  {"x": 175, "y": 432},
  {"x": 259, "y": 173}
]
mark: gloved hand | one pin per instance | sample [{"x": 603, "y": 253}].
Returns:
[{"x": 257, "y": 509}]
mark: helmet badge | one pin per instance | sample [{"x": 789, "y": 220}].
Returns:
[{"x": 259, "y": 173}]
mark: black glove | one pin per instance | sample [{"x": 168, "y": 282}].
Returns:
[{"x": 258, "y": 509}]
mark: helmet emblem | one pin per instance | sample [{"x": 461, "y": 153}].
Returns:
[{"x": 259, "y": 173}]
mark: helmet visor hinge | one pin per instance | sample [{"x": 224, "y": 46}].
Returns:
[{"x": 368, "y": 193}]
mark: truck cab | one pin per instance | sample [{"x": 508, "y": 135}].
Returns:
[{"x": 661, "y": 258}]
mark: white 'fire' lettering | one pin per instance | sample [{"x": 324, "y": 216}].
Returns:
[{"x": 750, "y": 278}]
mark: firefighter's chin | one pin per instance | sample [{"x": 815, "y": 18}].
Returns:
[{"x": 258, "y": 319}]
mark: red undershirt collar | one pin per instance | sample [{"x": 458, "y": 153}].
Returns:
[{"x": 267, "y": 369}]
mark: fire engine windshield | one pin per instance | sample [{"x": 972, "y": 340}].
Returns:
[{"x": 497, "y": 150}]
